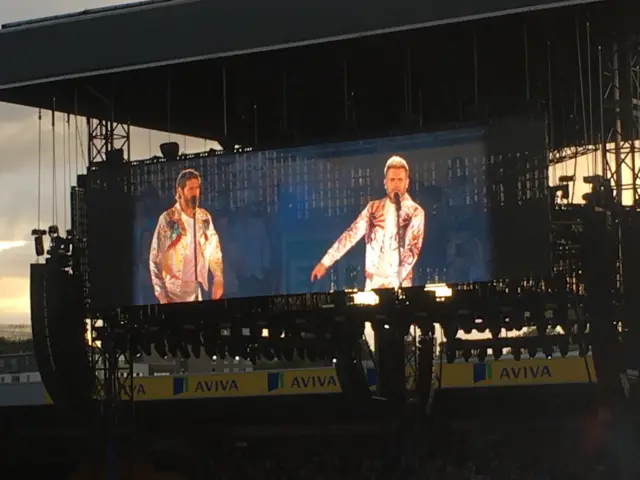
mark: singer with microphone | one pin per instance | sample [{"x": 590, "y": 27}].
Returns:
[
  {"x": 185, "y": 248},
  {"x": 393, "y": 229}
]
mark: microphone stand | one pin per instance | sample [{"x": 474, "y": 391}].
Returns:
[
  {"x": 195, "y": 247},
  {"x": 398, "y": 205},
  {"x": 400, "y": 244}
]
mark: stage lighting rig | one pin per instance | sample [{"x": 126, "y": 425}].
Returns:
[
  {"x": 38, "y": 239},
  {"x": 601, "y": 194},
  {"x": 497, "y": 306},
  {"x": 561, "y": 191},
  {"x": 60, "y": 248},
  {"x": 170, "y": 151}
]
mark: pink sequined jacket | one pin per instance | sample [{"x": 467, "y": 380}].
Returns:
[
  {"x": 168, "y": 250},
  {"x": 371, "y": 224}
]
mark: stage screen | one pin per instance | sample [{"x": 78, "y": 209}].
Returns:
[{"x": 313, "y": 219}]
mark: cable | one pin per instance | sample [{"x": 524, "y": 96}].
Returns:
[
  {"x": 78, "y": 137},
  {"x": 64, "y": 175},
  {"x": 582, "y": 337},
  {"x": 69, "y": 163},
  {"x": 436, "y": 353},
  {"x": 39, "y": 167},
  {"x": 76, "y": 142},
  {"x": 54, "y": 203}
]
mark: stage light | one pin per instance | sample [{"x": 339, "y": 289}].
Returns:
[
  {"x": 564, "y": 348},
  {"x": 161, "y": 349},
  {"x": 287, "y": 354},
  {"x": 170, "y": 151},
  {"x": 441, "y": 290},
  {"x": 193, "y": 339},
  {"x": 365, "y": 298},
  {"x": 38, "y": 241},
  {"x": 267, "y": 354},
  {"x": 564, "y": 179},
  {"x": 114, "y": 157},
  {"x": 482, "y": 355}
]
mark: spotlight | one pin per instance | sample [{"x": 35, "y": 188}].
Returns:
[
  {"x": 38, "y": 241},
  {"x": 170, "y": 151},
  {"x": 161, "y": 348},
  {"x": 482, "y": 355}
]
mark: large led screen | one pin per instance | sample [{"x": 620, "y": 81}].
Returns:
[{"x": 366, "y": 214}]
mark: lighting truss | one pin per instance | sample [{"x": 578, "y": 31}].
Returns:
[{"x": 330, "y": 326}]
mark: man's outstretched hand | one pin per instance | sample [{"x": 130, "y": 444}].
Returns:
[
  {"x": 217, "y": 290},
  {"x": 318, "y": 272}
]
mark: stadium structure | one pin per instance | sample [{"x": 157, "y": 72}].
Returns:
[{"x": 551, "y": 83}]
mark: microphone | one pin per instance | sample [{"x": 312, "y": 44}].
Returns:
[
  {"x": 396, "y": 201},
  {"x": 193, "y": 201}
]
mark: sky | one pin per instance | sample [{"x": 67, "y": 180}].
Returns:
[
  {"x": 19, "y": 134},
  {"x": 19, "y": 154}
]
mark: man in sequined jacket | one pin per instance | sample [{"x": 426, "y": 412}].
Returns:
[
  {"x": 385, "y": 266},
  {"x": 179, "y": 267}
]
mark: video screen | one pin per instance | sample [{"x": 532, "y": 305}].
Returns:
[{"x": 388, "y": 212}]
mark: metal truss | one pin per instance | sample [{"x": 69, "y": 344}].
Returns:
[
  {"x": 111, "y": 359},
  {"x": 411, "y": 364},
  {"x": 572, "y": 152},
  {"x": 105, "y": 136},
  {"x": 620, "y": 90}
]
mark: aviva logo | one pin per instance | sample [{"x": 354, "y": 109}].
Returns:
[
  {"x": 482, "y": 372},
  {"x": 180, "y": 385},
  {"x": 275, "y": 381},
  {"x": 321, "y": 381},
  {"x": 204, "y": 387}
]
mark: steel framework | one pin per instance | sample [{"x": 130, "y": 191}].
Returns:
[
  {"x": 105, "y": 136},
  {"x": 619, "y": 67}
]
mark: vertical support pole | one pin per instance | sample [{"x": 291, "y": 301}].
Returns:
[
  {"x": 552, "y": 142},
  {"x": 224, "y": 101},
  {"x": 618, "y": 124},
  {"x": 527, "y": 85},
  {"x": 408, "y": 85},
  {"x": 603, "y": 132},
  {"x": 592, "y": 139},
  {"x": 345, "y": 76},
  {"x": 476, "y": 73},
  {"x": 581, "y": 79},
  {"x": 169, "y": 106},
  {"x": 285, "y": 100}
]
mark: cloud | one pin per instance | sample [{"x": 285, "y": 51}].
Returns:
[
  {"x": 8, "y": 245},
  {"x": 14, "y": 300},
  {"x": 19, "y": 133},
  {"x": 15, "y": 262}
]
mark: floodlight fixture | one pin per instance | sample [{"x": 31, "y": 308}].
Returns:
[
  {"x": 170, "y": 151},
  {"x": 38, "y": 241},
  {"x": 441, "y": 290}
]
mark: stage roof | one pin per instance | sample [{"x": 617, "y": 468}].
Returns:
[{"x": 164, "y": 32}]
